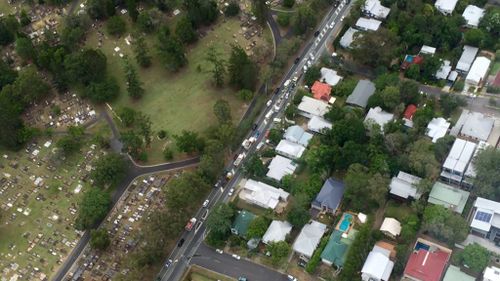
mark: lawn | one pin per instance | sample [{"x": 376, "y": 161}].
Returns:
[
  {"x": 397, "y": 211},
  {"x": 183, "y": 100},
  {"x": 196, "y": 273}
]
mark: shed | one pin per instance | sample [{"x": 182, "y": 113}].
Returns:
[{"x": 391, "y": 227}]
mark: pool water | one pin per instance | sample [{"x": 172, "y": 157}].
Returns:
[{"x": 346, "y": 222}]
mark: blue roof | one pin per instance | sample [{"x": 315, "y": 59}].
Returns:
[{"x": 330, "y": 195}]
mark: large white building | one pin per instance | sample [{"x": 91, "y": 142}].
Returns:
[
  {"x": 478, "y": 71},
  {"x": 437, "y": 128},
  {"x": 330, "y": 76},
  {"x": 261, "y": 194},
  {"x": 276, "y": 232},
  {"x": 280, "y": 166},
  {"x": 349, "y": 37},
  {"x": 367, "y": 24},
  {"x": 377, "y": 116},
  {"x": 318, "y": 124},
  {"x": 458, "y": 159},
  {"x": 485, "y": 222},
  {"x": 472, "y": 15},
  {"x": 405, "y": 186},
  {"x": 473, "y": 126},
  {"x": 374, "y": 8},
  {"x": 297, "y": 135}
]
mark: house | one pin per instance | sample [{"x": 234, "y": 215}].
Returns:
[
  {"x": 408, "y": 115},
  {"x": 318, "y": 124},
  {"x": 330, "y": 76},
  {"x": 367, "y": 24},
  {"x": 437, "y": 128},
  {"x": 377, "y": 266},
  {"x": 290, "y": 149},
  {"x": 485, "y": 222},
  {"x": 478, "y": 71},
  {"x": 473, "y": 126},
  {"x": 405, "y": 186},
  {"x": 446, "y": 7},
  {"x": 466, "y": 59},
  {"x": 470, "y": 173},
  {"x": 427, "y": 50},
  {"x": 321, "y": 91},
  {"x": 279, "y": 167},
  {"x": 448, "y": 197},
  {"x": 491, "y": 273},
  {"x": 377, "y": 116},
  {"x": 308, "y": 239},
  {"x": 444, "y": 71},
  {"x": 329, "y": 198},
  {"x": 261, "y": 194},
  {"x": 276, "y": 232},
  {"x": 374, "y": 8},
  {"x": 335, "y": 251},
  {"x": 297, "y": 135},
  {"x": 361, "y": 93},
  {"x": 473, "y": 15},
  {"x": 427, "y": 262},
  {"x": 458, "y": 159},
  {"x": 454, "y": 274},
  {"x": 310, "y": 107},
  {"x": 241, "y": 223},
  {"x": 349, "y": 36},
  {"x": 391, "y": 227}
]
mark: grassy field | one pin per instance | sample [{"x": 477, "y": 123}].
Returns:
[
  {"x": 183, "y": 100},
  {"x": 196, "y": 273}
]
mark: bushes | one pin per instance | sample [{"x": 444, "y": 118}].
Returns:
[{"x": 316, "y": 258}]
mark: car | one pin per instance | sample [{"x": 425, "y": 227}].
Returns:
[
  {"x": 269, "y": 102},
  {"x": 297, "y": 59},
  {"x": 231, "y": 192},
  {"x": 342, "y": 18},
  {"x": 205, "y": 204},
  {"x": 316, "y": 33},
  {"x": 168, "y": 263},
  {"x": 181, "y": 242},
  {"x": 254, "y": 126},
  {"x": 219, "y": 251},
  {"x": 236, "y": 256},
  {"x": 241, "y": 278},
  {"x": 291, "y": 278},
  {"x": 332, "y": 24}
]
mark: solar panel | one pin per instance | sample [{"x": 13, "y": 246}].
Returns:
[{"x": 482, "y": 216}]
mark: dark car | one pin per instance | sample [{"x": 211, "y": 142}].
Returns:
[
  {"x": 316, "y": 33},
  {"x": 254, "y": 126},
  {"x": 181, "y": 242},
  {"x": 297, "y": 59}
]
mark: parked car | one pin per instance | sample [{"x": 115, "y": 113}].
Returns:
[
  {"x": 231, "y": 192},
  {"x": 297, "y": 59},
  {"x": 236, "y": 256},
  {"x": 242, "y": 278},
  {"x": 168, "y": 263},
  {"x": 316, "y": 33},
  {"x": 219, "y": 251},
  {"x": 205, "y": 204},
  {"x": 291, "y": 278},
  {"x": 181, "y": 242}
]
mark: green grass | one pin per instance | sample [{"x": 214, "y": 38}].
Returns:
[
  {"x": 397, "y": 210},
  {"x": 197, "y": 273},
  {"x": 495, "y": 68}
]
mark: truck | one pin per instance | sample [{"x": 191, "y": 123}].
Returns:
[
  {"x": 240, "y": 158},
  {"x": 190, "y": 224}
]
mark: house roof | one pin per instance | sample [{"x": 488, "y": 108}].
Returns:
[
  {"x": 426, "y": 266},
  {"x": 460, "y": 156},
  {"x": 330, "y": 194},
  {"x": 374, "y": 8},
  {"x": 330, "y": 76},
  {"x": 313, "y": 107},
  {"x": 279, "y": 167},
  {"x": 262, "y": 194},
  {"x": 404, "y": 185},
  {"x": 475, "y": 125},
  {"x": 360, "y": 95},
  {"x": 321, "y": 91},
  {"x": 437, "y": 128},
  {"x": 446, "y": 6},
  {"x": 368, "y": 24},
  {"x": 290, "y": 149},
  {"x": 378, "y": 116},
  {"x": 428, "y": 50},
  {"x": 478, "y": 70},
  {"x": 410, "y": 110},
  {"x": 241, "y": 222},
  {"x": 336, "y": 249},
  {"x": 297, "y": 135},
  {"x": 471, "y": 170},
  {"x": 448, "y": 196},
  {"x": 349, "y": 37},
  {"x": 317, "y": 124},
  {"x": 491, "y": 273},
  {"x": 487, "y": 214},
  {"x": 454, "y": 274},
  {"x": 444, "y": 70},
  {"x": 378, "y": 265},
  {"x": 392, "y": 226},
  {"x": 309, "y": 238},
  {"x": 277, "y": 231},
  {"x": 467, "y": 57},
  {"x": 472, "y": 15}
]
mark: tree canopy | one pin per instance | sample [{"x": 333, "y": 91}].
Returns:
[
  {"x": 109, "y": 170},
  {"x": 487, "y": 181},
  {"x": 99, "y": 239},
  {"x": 444, "y": 224},
  {"x": 475, "y": 257},
  {"x": 241, "y": 69},
  {"x": 219, "y": 223},
  {"x": 257, "y": 227},
  {"x": 93, "y": 208}
]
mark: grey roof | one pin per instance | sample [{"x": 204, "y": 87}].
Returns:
[
  {"x": 473, "y": 124},
  {"x": 466, "y": 59},
  {"x": 360, "y": 95},
  {"x": 309, "y": 238},
  {"x": 348, "y": 37},
  {"x": 330, "y": 195},
  {"x": 297, "y": 135},
  {"x": 404, "y": 185}
]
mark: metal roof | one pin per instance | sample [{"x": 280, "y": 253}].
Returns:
[
  {"x": 330, "y": 195},
  {"x": 448, "y": 197},
  {"x": 280, "y": 166},
  {"x": 466, "y": 59},
  {"x": 360, "y": 95},
  {"x": 472, "y": 15}
]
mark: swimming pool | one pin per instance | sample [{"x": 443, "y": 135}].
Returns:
[{"x": 346, "y": 222}]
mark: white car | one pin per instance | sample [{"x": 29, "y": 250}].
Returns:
[
  {"x": 291, "y": 278},
  {"x": 269, "y": 102},
  {"x": 342, "y": 18},
  {"x": 332, "y": 25},
  {"x": 205, "y": 204},
  {"x": 231, "y": 192},
  {"x": 219, "y": 251},
  {"x": 236, "y": 256}
]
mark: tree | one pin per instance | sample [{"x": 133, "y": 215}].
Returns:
[
  {"x": 291, "y": 111},
  {"x": 73, "y": 141},
  {"x": 93, "y": 208},
  {"x": 299, "y": 214},
  {"x": 242, "y": 71},
  {"x": 245, "y": 95},
  {"x": 86, "y": 66},
  {"x": 255, "y": 167},
  {"x": 134, "y": 85},
  {"x": 12, "y": 128},
  {"x": 386, "y": 79},
  {"x": 99, "y": 239},
  {"x": 413, "y": 72},
  {"x": 132, "y": 143},
  {"x": 390, "y": 97},
  {"x": 487, "y": 165},
  {"x": 74, "y": 30},
  {"x": 364, "y": 191},
  {"x": 201, "y": 12},
  {"x": 109, "y": 170},
  {"x": 257, "y": 227},
  {"x": 444, "y": 224},
  {"x": 349, "y": 129},
  {"x": 474, "y": 37},
  {"x": 475, "y": 257},
  {"x": 100, "y": 9},
  {"x": 260, "y": 10},
  {"x": 102, "y": 91},
  {"x": 7, "y": 35},
  {"x": 345, "y": 87},
  {"x": 450, "y": 103},
  {"x": 127, "y": 116},
  {"x": 442, "y": 147},
  {"x": 219, "y": 223},
  {"x": 278, "y": 250},
  {"x": 422, "y": 117},
  {"x": 30, "y": 87},
  {"x": 24, "y": 19},
  {"x": 7, "y": 74},
  {"x": 232, "y": 9},
  {"x": 275, "y": 136},
  {"x": 25, "y": 49},
  {"x": 376, "y": 48},
  {"x": 141, "y": 51},
  {"x": 144, "y": 127},
  {"x": 116, "y": 26},
  {"x": 132, "y": 9},
  {"x": 189, "y": 142},
  {"x": 321, "y": 159},
  {"x": 222, "y": 111},
  {"x": 303, "y": 19},
  {"x": 312, "y": 74},
  {"x": 171, "y": 51},
  {"x": 185, "y": 31},
  {"x": 422, "y": 160},
  {"x": 218, "y": 66},
  {"x": 288, "y": 3},
  {"x": 283, "y": 19},
  {"x": 168, "y": 154},
  {"x": 491, "y": 21},
  {"x": 409, "y": 92}
]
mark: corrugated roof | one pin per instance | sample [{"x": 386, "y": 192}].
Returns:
[
  {"x": 368, "y": 24},
  {"x": 427, "y": 266},
  {"x": 330, "y": 76},
  {"x": 478, "y": 71},
  {"x": 317, "y": 124},
  {"x": 466, "y": 59},
  {"x": 290, "y": 149},
  {"x": 313, "y": 107},
  {"x": 448, "y": 196},
  {"x": 309, "y": 238},
  {"x": 378, "y": 116},
  {"x": 360, "y": 95},
  {"x": 297, "y": 135},
  {"x": 437, "y": 128},
  {"x": 454, "y": 274},
  {"x": 472, "y": 15},
  {"x": 336, "y": 250},
  {"x": 330, "y": 195},
  {"x": 349, "y": 37},
  {"x": 280, "y": 166},
  {"x": 277, "y": 231}
]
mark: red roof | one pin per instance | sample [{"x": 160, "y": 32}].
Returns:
[
  {"x": 410, "y": 110},
  {"x": 496, "y": 82},
  {"x": 418, "y": 60},
  {"x": 426, "y": 266},
  {"x": 321, "y": 91}
]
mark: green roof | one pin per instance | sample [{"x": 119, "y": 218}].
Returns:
[
  {"x": 448, "y": 196},
  {"x": 337, "y": 247},
  {"x": 241, "y": 223},
  {"x": 454, "y": 274}
]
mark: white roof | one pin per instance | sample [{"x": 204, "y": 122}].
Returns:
[
  {"x": 368, "y": 24},
  {"x": 392, "y": 226},
  {"x": 297, "y": 135},
  {"x": 472, "y": 15},
  {"x": 280, "y": 167},
  {"x": 309, "y": 238},
  {"x": 459, "y": 156},
  {"x": 330, "y": 76},
  {"x": 374, "y": 8},
  {"x": 453, "y": 76},
  {"x": 471, "y": 171},
  {"x": 444, "y": 70},
  {"x": 377, "y": 266},
  {"x": 427, "y": 50},
  {"x": 348, "y": 37},
  {"x": 262, "y": 194},
  {"x": 277, "y": 231},
  {"x": 378, "y": 116},
  {"x": 491, "y": 273},
  {"x": 475, "y": 125},
  {"x": 290, "y": 149},
  {"x": 404, "y": 185},
  {"x": 446, "y": 6},
  {"x": 312, "y": 107},
  {"x": 317, "y": 124},
  {"x": 487, "y": 214},
  {"x": 437, "y": 128},
  {"x": 467, "y": 57},
  {"x": 478, "y": 70}
]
